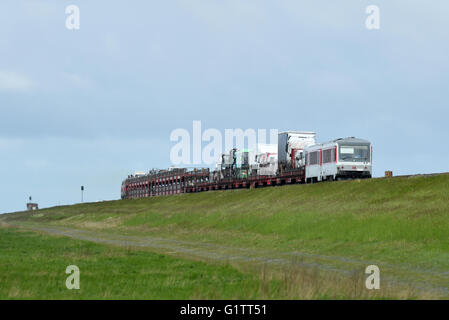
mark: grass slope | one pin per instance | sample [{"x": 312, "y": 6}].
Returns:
[{"x": 400, "y": 223}]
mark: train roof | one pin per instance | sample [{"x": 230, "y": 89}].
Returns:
[
  {"x": 351, "y": 140},
  {"x": 298, "y": 132},
  {"x": 346, "y": 141}
]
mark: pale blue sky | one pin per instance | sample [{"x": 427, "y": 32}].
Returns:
[{"x": 87, "y": 107}]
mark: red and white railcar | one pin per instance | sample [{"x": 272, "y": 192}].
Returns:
[{"x": 339, "y": 159}]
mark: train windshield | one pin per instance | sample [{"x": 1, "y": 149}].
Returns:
[{"x": 354, "y": 153}]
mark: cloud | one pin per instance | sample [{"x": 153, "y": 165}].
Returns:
[
  {"x": 332, "y": 83},
  {"x": 111, "y": 44},
  {"x": 36, "y": 164},
  {"x": 39, "y": 9},
  {"x": 229, "y": 16},
  {"x": 78, "y": 81},
  {"x": 12, "y": 81}
]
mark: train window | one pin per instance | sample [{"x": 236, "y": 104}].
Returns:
[
  {"x": 354, "y": 153},
  {"x": 327, "y": 156},
  {"x": 313, "y": 158},
  {"x": 349, "y": 150}
]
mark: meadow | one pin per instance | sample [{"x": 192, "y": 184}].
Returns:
[
  {"x": 33, "y": 267},
  {"x": 325, "y": 231}
]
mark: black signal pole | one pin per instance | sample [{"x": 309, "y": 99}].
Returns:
[{"x": 82, "y": 191}]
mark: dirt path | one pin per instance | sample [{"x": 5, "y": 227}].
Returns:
[{"x": 430, "y": 280}]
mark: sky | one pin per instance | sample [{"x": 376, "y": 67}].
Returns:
[{"x": 89, "y": 106}]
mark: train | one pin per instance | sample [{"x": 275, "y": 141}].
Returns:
[{"x": 299, "y": 159}]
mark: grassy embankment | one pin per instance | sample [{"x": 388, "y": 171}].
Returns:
[{"x": 400, "y": 224}]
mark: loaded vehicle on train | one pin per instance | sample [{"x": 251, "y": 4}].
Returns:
[
  {"x": 291, "y": 145},
  {"x": 299, "y": 159}
]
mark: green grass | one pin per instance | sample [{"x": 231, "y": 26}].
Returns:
[
  {"x": 401, "y": 222},
  {"x": 33, "y": 267}
]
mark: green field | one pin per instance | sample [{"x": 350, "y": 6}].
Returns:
[
  {"x": 300, "y": 241},
  {"x": 33, "y": 266}
]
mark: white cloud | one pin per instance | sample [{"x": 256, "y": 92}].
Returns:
[
  {"x": 77, "y": 80},
  {"x": 7, "y": 144},
  {"x": 111, "y": 44},
  {"x": 227, "y": 14},
  {"x": 36, "y": 163},
  {"x": 332, "y": 82},
  {"x": 12, "y": 81},
  {"x": 39, "y": 9}
]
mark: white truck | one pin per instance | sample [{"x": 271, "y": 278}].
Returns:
[
  {"x": 291, "y": 145},
  {"x": 265, "y": 160}
]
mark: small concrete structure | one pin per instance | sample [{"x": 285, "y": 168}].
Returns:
[{"x": 32, "y": 206}]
